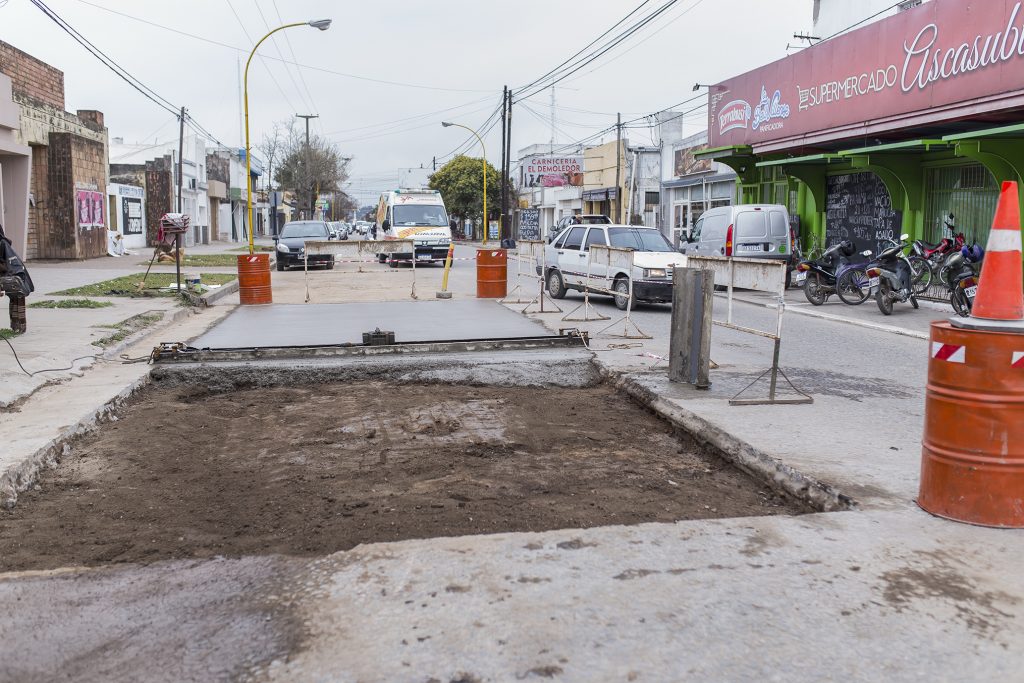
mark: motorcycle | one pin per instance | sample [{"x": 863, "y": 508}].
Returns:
[
  {"x": 890, "y": 277},
  {"x": 928, "y": 260},
  {"x": 819, "y": 276},
  {"x": 963, "y": 278}
]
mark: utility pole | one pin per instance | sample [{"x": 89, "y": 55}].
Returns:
[
  {"x": 618, "y": 169},
  {"x": 508, "y": 161},
  {"x": 309, "y": 172},
  {"x": 177, "y": 235},
  {"x": 504, "y": 133}
]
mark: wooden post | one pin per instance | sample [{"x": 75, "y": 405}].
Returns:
[{"x": 693, "y": 293}]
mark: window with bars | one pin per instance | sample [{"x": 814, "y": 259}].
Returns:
[{"x": 969, "y": 193}]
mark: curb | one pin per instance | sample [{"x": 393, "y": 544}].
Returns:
[
  {"x": 758, "y": 464},
  {"x": 21, "y": 476},
  {"x": 171, "y": 317}
]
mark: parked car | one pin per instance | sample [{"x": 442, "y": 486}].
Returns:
[
  {"x": 291, "y": 244},
  {"x": 339, "y": 229},
  {"x": 747, "y": 230},
  {"x": 565, "y": 262},
  {"x": 578, "y": 219}
]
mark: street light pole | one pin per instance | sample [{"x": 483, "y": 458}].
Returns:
[
  {"x": 322, "y": 25},
  {"x": 446, "y": 124}
]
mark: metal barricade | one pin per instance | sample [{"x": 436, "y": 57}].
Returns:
[
  {"x": 358, "y": 251},
  {"x": 763, "y": 276},
  {"x": 607, "y": 268},
  {"x": 529, "y": 255}
]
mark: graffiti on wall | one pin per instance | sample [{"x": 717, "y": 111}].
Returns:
[{"x": 89, "y": 209}]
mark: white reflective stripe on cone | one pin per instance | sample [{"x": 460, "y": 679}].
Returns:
[{"x": 1004, "y": 240}]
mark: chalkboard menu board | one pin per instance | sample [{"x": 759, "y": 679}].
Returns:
[
  {"x": 529, "y": 224},
  {"x": 858, "y": 208}
]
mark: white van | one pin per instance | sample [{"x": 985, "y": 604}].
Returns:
[
  {"x": 749, "y": 230},
  {"x": 418, "y": 215}
]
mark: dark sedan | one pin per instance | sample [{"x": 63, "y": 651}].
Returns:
[{"x": 291, "y": 244}]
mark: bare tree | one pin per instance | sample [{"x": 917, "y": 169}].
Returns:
[
  {"x": 272, "y": 147},
  {"x": 309, "y": 171}
]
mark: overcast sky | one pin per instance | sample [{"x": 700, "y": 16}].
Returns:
[{"x": 459, "y": 54}]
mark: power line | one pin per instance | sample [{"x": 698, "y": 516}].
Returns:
[
  {"x": 121, "y": 72},
  {"x": 604, "y": 49},
  {"x": 298, "y": 69},
  {"x": 626, "y": 52},
  {"x": 262, "y": 59},
  {"x": 307, "y": 104},
  {"x": 585, "y": 47}
]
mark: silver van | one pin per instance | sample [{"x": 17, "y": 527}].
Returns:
[{"x": 749, "y": 230}]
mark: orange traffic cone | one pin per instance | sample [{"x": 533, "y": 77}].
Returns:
[{"x": 1000, "y": 288}]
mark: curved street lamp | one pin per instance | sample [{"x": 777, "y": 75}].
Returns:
[
  {"x": 487, "y": 223},
  {"x": 321, "y": 24}
]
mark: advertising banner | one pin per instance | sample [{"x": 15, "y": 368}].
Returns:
[
  {"x": 131, "y": 216},
  {"x": 686, "y": 165},
  {"x": 550, "y": 171},
  {"x": 943, "y": 60},
  {"x": 89, "y": 209}
]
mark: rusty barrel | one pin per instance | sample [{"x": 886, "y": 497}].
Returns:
[
  {"x": 491, "y": 274},
  {"x": 972, "y": 460},
  {"x": 254, "y": 279}
]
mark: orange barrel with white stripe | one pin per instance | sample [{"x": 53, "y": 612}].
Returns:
[
  {"x": 254, "y": 279},
  {"x": 491, "y": 274},
  {"x": 972, "y": 459}
]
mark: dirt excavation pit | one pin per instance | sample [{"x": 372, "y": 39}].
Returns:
[{"x": 186, "y": 473}]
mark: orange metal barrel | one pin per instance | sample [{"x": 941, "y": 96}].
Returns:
[
  {"x": 254, "y": 279},
  {"x": 972, "y": 460},
  {"x": 491, "y": 274}
]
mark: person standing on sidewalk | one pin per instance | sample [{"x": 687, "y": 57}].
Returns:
[{"x": 15, "y": 283}]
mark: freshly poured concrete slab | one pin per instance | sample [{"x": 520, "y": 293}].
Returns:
[{"x": 282, "y": 325}]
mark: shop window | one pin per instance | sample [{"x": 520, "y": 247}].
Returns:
[{"x": 969, "y": 192}]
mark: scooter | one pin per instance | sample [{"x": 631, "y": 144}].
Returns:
[
  {"x": 818, "y": 277},
  {"x": 963, "y": 279},
  {"x": 889, "y": 277}
]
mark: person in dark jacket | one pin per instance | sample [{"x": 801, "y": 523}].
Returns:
[{"x": 15, "y": 283}]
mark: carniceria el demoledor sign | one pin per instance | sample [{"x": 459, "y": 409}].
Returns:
[{"x": 941, "y": 61}]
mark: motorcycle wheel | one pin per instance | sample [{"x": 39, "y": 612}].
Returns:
[
  {"x": 852, "y": 287},
  {"x": 814, "y": 290},
  {"x": 883, "y": 299},
  {"x": 961, "y": 306},
  {"x": 921, "y": 278}
]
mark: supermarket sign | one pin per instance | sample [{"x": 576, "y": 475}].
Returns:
[{"x": 940, "y": 61}]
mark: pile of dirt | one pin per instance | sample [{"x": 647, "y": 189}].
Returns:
[{"x": 188, "y": 473}]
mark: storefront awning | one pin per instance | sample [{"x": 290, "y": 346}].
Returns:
[
  {"x": 700, "y": 179},
  {"x": 810, "y": 159},
  {"x": 905, "y": 147},
  {"x": 604, "y": 194},
  {"x": 1015, "y": 131},
  {"x": 724, "y": 152}
]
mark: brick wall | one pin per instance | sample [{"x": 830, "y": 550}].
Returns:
[
  {"x": 159, "y": 200},
  {"x": 56, "y": 235},
  {"x": 218, "y": 168},
  {"x": 73, "y": 163},
  {"x": 37, "y": 213},
  {"x": 89, "y": 161},
  {"x": 31, "y": 77}
]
